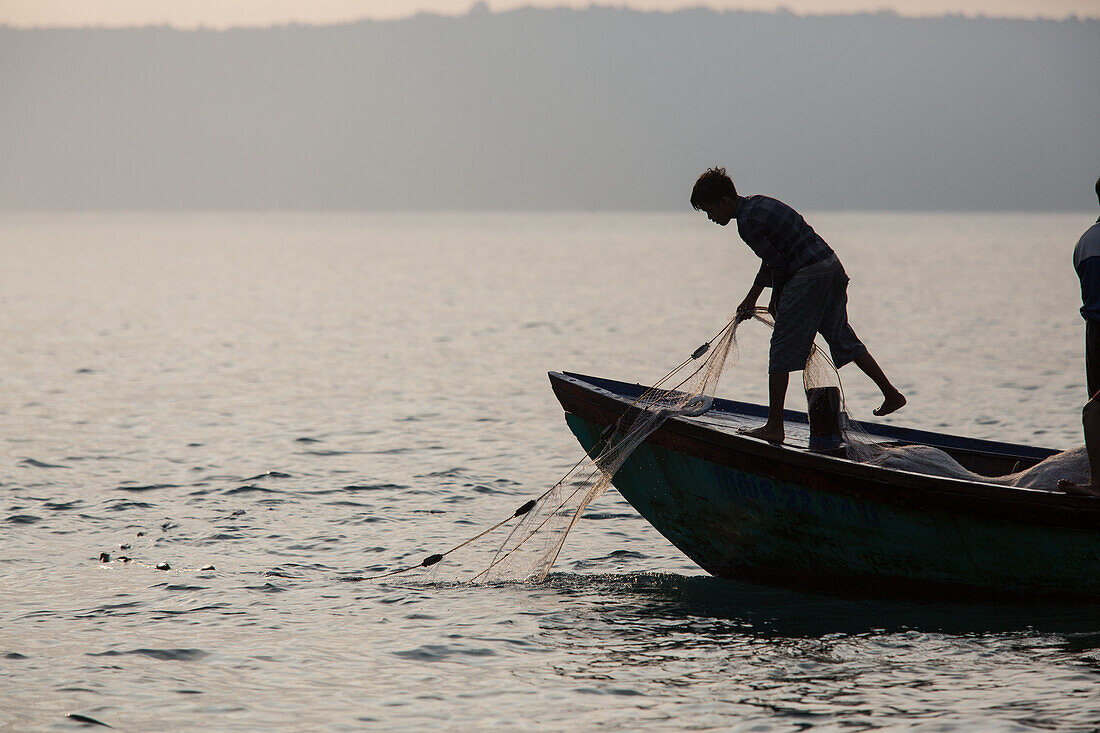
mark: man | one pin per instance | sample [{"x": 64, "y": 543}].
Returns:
[
  {"x": 1086, "y": 261},
  {"x": 809, "y": 291}
]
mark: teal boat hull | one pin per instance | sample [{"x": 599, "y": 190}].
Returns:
[{"x": 781, "y": 515}]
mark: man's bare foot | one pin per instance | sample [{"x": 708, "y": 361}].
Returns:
[
  {"x": 892, "y": 403},
  {"x": 767, "y": 432},
  {"x": 1072, "y": 487}
]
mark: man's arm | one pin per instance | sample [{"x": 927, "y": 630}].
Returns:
[
  {"x": 773, "y": 272},
  {"x": 763, "y": 280}
]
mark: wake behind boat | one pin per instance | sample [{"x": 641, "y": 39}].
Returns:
[{"x": 797, "y": 516}]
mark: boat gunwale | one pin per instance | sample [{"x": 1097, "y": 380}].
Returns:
[{"x": 820, "y": 471}]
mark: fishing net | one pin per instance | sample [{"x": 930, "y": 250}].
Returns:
[
  {"x": 525, "y": 545},
  {"x": 532, "y": 546},
  {"x": 526, "y": 548},
  {"x": 858, "y": 444},
  {"x": 1071, "y": 464}
]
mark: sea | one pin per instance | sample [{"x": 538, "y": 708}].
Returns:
[{"x": 296, "y": 401}]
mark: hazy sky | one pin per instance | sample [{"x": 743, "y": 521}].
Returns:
[{"x": 225, "y": 13}]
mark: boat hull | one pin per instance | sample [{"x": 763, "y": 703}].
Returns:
[{"x": 816, "y": 522}]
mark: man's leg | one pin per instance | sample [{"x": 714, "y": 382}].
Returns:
[
  {"x": 892, "y": 399},
  {"x": 1090, "y": 420},
  {"x": 772, "y": 430},
  {"x": 797, "y": 315},
  {"x": 843, "y": 343}
]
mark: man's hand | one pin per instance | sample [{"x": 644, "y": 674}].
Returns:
[
  {"x": 745, "y": 310},
  {"x": 748, "y": 305}
]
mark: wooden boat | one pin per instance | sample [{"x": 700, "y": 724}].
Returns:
[{"x": 792, "y": 516}]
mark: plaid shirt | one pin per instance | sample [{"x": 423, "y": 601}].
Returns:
[
  {"x": 780, "y": 237},
  {"x": 1086, "y": 260}
]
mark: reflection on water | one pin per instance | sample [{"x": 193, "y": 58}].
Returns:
[
  {"x": 767, "y": 612},
  {"x": 299, "y": 400}
]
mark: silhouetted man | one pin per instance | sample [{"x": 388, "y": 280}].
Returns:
[
  {"x": 1086, "y": 260},
  {"x": 809, "y": 291}
]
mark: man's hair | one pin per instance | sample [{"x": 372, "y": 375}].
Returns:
[
  {"x": 1097, "y": 190},
  {"x": 711, "y": 187}
]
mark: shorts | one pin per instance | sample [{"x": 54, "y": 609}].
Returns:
[{"x": 814, "y": 300}]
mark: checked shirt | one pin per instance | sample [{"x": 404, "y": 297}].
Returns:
[{"x": 780, "y": 237}]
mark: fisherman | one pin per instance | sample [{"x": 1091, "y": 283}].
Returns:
[
  {"x": 809, "y": 292},
  {"x": 1086, "y": 261}
]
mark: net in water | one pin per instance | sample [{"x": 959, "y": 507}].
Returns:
[{"x": 526, "y": 545}]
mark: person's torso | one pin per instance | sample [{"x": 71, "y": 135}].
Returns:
[
  {"x": 779, "y": 235},
  {"x": 1086, "y": 261}
]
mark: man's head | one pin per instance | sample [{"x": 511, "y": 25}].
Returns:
[
  {"x": 1098, "y": 190},
  {"x": 715, "y": 194}
]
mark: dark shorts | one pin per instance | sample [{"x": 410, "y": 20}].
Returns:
[
  {"x": 814, "y": 300},
  {"x": 1092, "y": 355}
]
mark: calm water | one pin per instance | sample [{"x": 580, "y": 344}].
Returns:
[{"x": 301, "y": 399}]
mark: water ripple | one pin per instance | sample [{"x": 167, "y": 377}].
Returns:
[
  {"x": 173, "y": 655},
  {"x": 251, "y": 489},
  {"x": 31, "y": 462},
  {"x": 442, "y": 652},
  {"x": 150, "y": 487}
]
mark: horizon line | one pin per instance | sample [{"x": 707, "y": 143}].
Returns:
[
  {"x": 1088, "y": 213},
  {"x": 477, "y": 11}
]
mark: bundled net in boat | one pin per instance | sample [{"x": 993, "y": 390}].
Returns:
[
  {"x": 821, "y": 377},
  {"x": 1072, "y": 465},
  {"x": 862, "y": 446}
]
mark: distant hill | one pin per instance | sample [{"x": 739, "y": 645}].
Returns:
[{"x": 543, "y": 109}]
